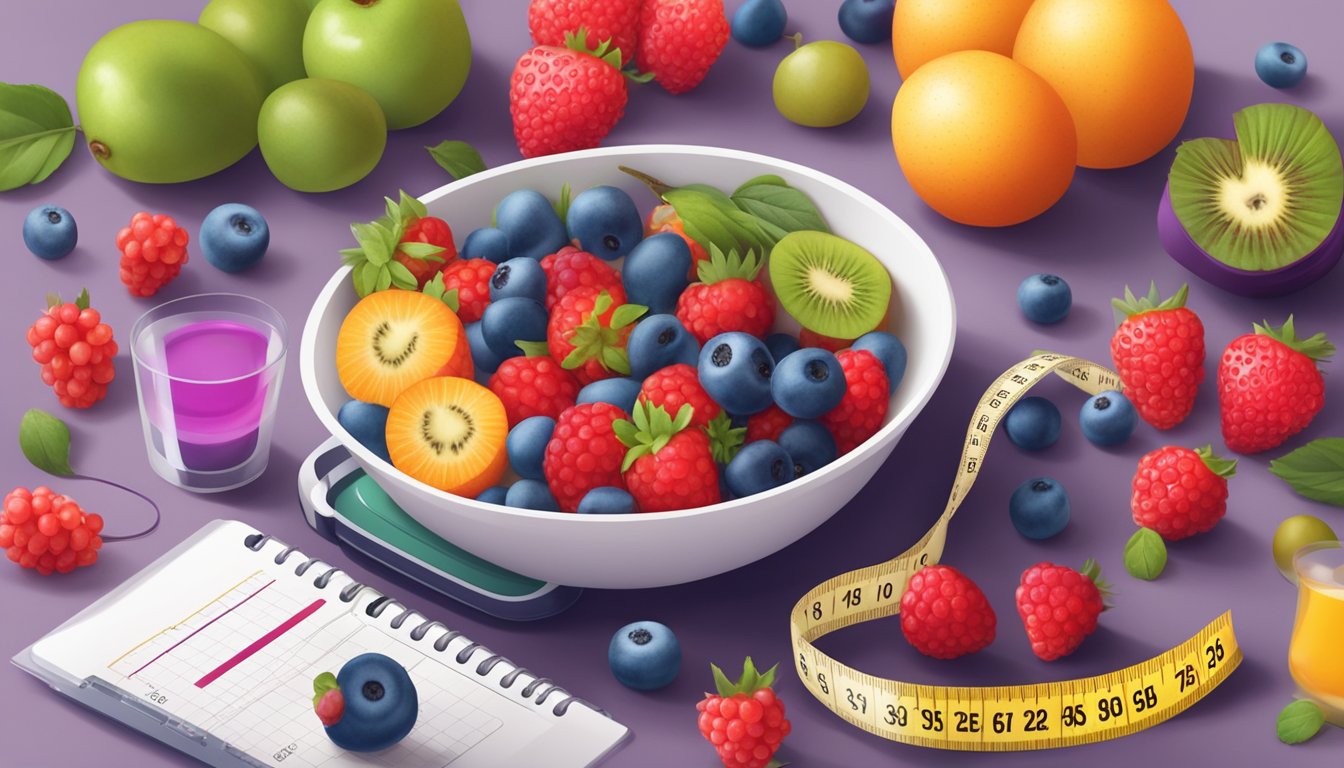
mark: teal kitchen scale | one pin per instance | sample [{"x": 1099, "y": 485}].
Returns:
[{"x": 346, "y": 506}]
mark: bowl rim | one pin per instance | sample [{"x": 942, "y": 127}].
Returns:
[{"x": 900, "y": 421}]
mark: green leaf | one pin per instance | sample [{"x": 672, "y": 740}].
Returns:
[
  {"x": 713, "y": 223},
  {"x": 627, "y": 314},
  {"x": 384, "y": 277},
  {"x": 37, "y": 134},
  {"x": 83, "y": 300},
  {"x": 401, "y": 276},
  {"x": 325, "y": 682},
  {"x": 45, "y": 441},
  {"x": 769, "y": 178},
  {"x": 372, "y": 237},
  {"x": 1299, "y": 721},
  {"x": 54, "y": 300},
  {"x": 781, "y": 207},
  {"x": 615, "y": 359},
  {"x": 561, "y": 205},
  {"x": 409, "y": 207},
  {"x": 722, "y": 684},
  {"x": 458, "y": 158},
  {"x": 359, "y": 278},
  {"x": 369, "y": 275},
  {"x": 533, "y": 348},
  {"x": 1145, "y": 554},
  {"x": 422, "y": 251},
  {"x": 450, "y": 298},
  {"x": 352, "y": 256},
  {"x": 1316, "y": 470}
]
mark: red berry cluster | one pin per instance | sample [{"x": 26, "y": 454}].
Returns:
[
  {"x": 48, "y": 532},
  {"x": 153, "y": 250},
  {"x": 471, "y": 279},
  {"x": 75, "y": 349},
  {"x": 745, "y": 730}
]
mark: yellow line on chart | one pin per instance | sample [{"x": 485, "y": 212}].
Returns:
[{"x": 188, "y": 617}]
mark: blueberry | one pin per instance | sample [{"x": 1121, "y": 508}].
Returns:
[
  {"x": 1108, "y": 418},
  {"x": 735, "y": 369},
  {"x": 620, "y": 392},
  {"x": 657, "y": 342},
  {"x": 1281, "y": 65},
  {"x": 367, "y": 423},
  {"x": 809, "y": 444},
  {"x": 381, "y": 704},
  {"x": 486, "y": 243},
  {"x": 50, "y": 233},
  {"x": 1033, "y": 424},
  {"x": 234, "y": 237},
  {"x": 526, "y": 445},
  {"x": 758, "y": 467},
  {"x": 889, "y": 351},
  {"x": 654, "y": 274},
  {"x": 1044, "y": 298},
  {"x": 531, "y": 494},
  {"x": 482, "y": 357},
  {"x": 759, "y": 23},
  {"x": 605, "y": 221},
  {"x": 644, "y": 655},
  {"x": 495, "y": 494},
  {"x": 867, "y": 21},
  {"x": 607, "y": 500},
  {"x": 808, "y": 383},
  {"x": 530, "y": 224},
  {"x": 518, "y": 279},
  {"x": 782, "y": 344},
  {"x": 508, "y": 321},
  {"x": 1039, "y": 508}
]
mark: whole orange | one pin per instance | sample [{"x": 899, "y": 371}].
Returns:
[
  {"x": 982, "y": 139},
  {"x": 923, "y": 30},
  {"x": 1124, "y": 67}
]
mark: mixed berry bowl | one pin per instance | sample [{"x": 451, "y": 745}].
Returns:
[{"x": 627, "y": 551}]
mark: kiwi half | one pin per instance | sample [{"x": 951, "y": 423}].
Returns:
[
  {"x": 828, "y": 284},
  {"x": 449, "y": 433},
  {"x": 393, "y": 339},
  {"x": 1266, "y": 200}
]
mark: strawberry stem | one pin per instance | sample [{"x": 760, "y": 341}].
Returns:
[
  {"x": 1217, "y": 464},
  {"x": 1316, "y": 347},
  {"x": 750, "y": 681},
  {"x": 1092, "y": 570},
  {"x": 1130, "y": 305}
]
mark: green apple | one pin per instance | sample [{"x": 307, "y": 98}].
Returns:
[
  {"x": 319, "y": 135},
  {"x": 411, "y": 55},
  {"x": 167, "y": 101},
  {"x": 269, "y": 32}
]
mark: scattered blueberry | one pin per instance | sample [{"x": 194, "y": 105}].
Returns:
[
  {"x": 495, "y": 494},
  {"x": 809, "y": 444},
  {"x": 607, "y": 500},
  {"x": 518, "y": 278},
  {"x": 867, "y": 21},
  {"x": 644, "y": 655},
  {"x": 1033, "y": 424},
  {"x": 1108, "y": 418},
  {"x": 808, "y": 383},
  {"x": 759, "y": 23},
  {"x": 1039, "y": 508},
  {"x": 526, "y": 445},
  {"x": 50, "y": 233},
  {"x": 735, "y": 369},
  {"x": 782, "y": 345},
  {"x": 381, "y": 704},
  {"x": 487, "y": 243},
  {"x": 1281, "y": 65},
  {"x": 1044, "y": 298},
  {"x": 485, "y": 360},
  {"x": 758, "y": 467},
  {"x": 531, "y": 494},
  {"x": 367, "y": 423},
  {"x": 530, "y": 224},
  {"x": 508, "y": 321},
  {"x": 654, "y": 274},
  {"x": 605, "y": 221},
  {"x": 659, "y": 341},
  {"x": 620, "y": 392},
  {"x": 889, "y": 351},
  {"x": 234, "y": 237}
]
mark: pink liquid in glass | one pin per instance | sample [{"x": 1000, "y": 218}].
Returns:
[{"x": 218, "y": 391}]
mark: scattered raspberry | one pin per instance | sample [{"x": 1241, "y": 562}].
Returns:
[
  {"x": 75, "y": 349},
  {"x": 435, "y": 231},
  {"x": 1059, "y": 606},
  {"x": 679, "y": 40},
  {"x": 729, "y": 297},
  {"x": 570, "y": 268},
  {"x": 533, "y": 386},
  {"x": 588, "y": 331},
  {"x": 664, "y": 218},
  {"x": 944, "y": 614},
  {"x": 614, "y": 20},
  {"x": 47, "y": 532},
  {"x": 153, "y": 250},
  {"x": 1159, "y": 353},
  {"x": 471, "y": 279},
  {"x": 860, "y": 414},
  {"x": 678, "y": 385},
  {"x": 1179, "y": 492},
  {"x": 768, "y": 424},
  {"x": 745, "y": 722},
  {"x": 584, "y": 453}
]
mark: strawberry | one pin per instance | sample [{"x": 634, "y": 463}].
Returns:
[
  {"x": 1059, "y": 606},
  {"x": 431, "y": 231},
  {"x": 745, "y": 720},
  {"x": 403, "y": 248},
  {"x": 860, "y": 413},
  {"x": 1159, "y": 353},
  {"x": 944, "y": 614},
  {"x": 679, "y": 40},
  {"x": 1179, "y": 492},
  {"x": 570, "y": 268},
  {"x": 615, "y": 20},
  {"x": 669, "y": 465},
  {"x": 1269, "y": 387},
  {"x": 678, "y": 385},
  {"x": 664, "y": 218},
  {"x": 588, "y": 330},
  {"x": 533, "y": 386},
  {"x": 471, "y": 279},
  {"x": 768, "y": 424},
  {"x": 729, "y": 297},
  {"x": 583, "y": 453}
]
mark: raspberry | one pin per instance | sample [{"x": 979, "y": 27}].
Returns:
[
  {"x": 675, "y": 386},
  {"x": 533, "y": 386},
  {"x": 944, "y": 614},
  {"x": 860, "y": 414},
  {"x": 570, "y": 268},
  {"x": 1059, "y": 606},
  {"x": 75, "y": 349},
  {"x": 728, "y": 298},
  {"x": 153, "y": 250},
  {"x": 47, "y": 532},
  {"x": 584, "y": 453},
  {"x": 1179, "y": 492},
  {"x": 679, "y": 40},
  {"x": 585, "y": 336},
  {"x": 768, "y": 424},
  {"x": 745, "y": 721},
  {"x": 471, "y": 279},
  {"x": 435, "y": 231}
]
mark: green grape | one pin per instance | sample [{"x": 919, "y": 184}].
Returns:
[
  {"x": 1293, "y": 534},
  {"x": 821, "y": 84}
]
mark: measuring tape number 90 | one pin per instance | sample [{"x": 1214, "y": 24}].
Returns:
[{"x": 1003, "y": 718}]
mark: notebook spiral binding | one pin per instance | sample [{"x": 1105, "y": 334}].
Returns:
[{"x": 543, "y": 687}]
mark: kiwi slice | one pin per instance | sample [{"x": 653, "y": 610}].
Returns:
[
  {"x": 393, "y": 339},
  {"x": 829, "y": 285},
  {"x": 449, "y": 433},
  {"x": 1266, "y": 200}
]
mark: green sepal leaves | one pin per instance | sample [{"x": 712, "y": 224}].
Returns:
[
  {"x": 1299, "y": 721},
  {"x": 1316, "y": 347},
  {"x": 1145, "y": 554},
  {"x": 45, "y": 442},
  {"x": 725, "y": 440},
  {"x": 533, "y": 348},
  {"x": 437, "y": 289},
  {"x": 561, "y": 205},
  {"x": 1217, "y": 465},
  {"x": 1315, "y": 471},
  {"x": 1131, "y": 305},
  {"x": 578, "y": 41},
  {"x": 322, "y": 684},
  {"x": 1092, "y": 570},
  {"x": 750, "y": 681},
  {"x": 720, "y": 266},
  {"x": 373, "y": 267},
  {"x": 649, "y": 430},
  {"x": 592, "y": 340},
  {"x": 81, "y": 301},
  {"x": 37, "y": 133},
  {"x": 458, "y": 158}
]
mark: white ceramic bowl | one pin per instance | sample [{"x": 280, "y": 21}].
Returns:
[{"x": 649, "y": 550}]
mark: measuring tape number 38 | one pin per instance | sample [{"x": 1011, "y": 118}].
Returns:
[{"x": 1002, "y": 718}]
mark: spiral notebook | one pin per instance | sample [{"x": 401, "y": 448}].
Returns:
[{"x": 213, "y": 648}]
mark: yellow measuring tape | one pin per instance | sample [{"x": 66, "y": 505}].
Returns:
[{"x": 1002, "y": 718}]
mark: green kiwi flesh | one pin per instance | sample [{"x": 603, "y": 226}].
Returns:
[{"x": 828, "y": 284}]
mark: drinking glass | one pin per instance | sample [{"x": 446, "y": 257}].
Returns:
[{"x": 1316, "y": 651}]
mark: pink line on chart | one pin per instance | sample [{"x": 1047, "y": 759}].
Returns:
[
  {"x": 198, "y": 629},
  {"x": 260, "y": 643}
]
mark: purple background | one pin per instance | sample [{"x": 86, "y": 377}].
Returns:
[{"x": 1100, "y": 237}]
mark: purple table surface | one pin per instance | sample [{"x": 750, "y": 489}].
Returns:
[{"x": 1100, "y": 237}]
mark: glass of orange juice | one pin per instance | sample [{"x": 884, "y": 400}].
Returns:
[{"x": 1316, "y": 651}]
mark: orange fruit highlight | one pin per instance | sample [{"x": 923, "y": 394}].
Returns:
[
  {"x": 449, "y": 433},
  {"x": 393, "y": 339},
  {"x": 923, "y": 30}
]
